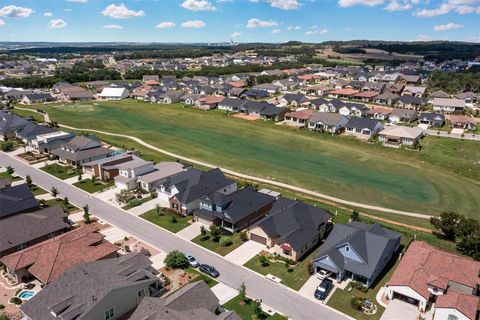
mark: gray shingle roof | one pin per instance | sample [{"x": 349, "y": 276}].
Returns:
[
  {"x": 361, "y": 123},
  {"x": 327, "y": 118},
  {"x": 370, "y": 241},
  {"x": 11, "y": 122},
  {"x": 16, "y": 199}
]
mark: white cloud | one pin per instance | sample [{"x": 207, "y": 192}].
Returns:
[
  {"x": 276, "y": 31},
  {"x": 395, "y": 5},
  {"x": 121, "y": 12},
  {"x": 78, "y": 1},
  {"x": 15, "y": 12},
  {"x": 194, "y": 24},
  {"x": 67, "y": 10},
  {"x": 2, "y": 23},
  {"x": 447, "y": 6},
  {"x": 254, "y": 23},
  {"x": 292, "y": 28},
  {"x": 448, "y": 26},
  {"x": 317, "y": 31},
  {"x": 165, "y": 25},
  {"x": 350, "y": 3},
  {"x": 112, "y": 26},
  {"x": 198, "y": 5},
  {"x": 48, "y": 14},
  {"x": 285, "y": 4},
  {"x": 57, "y": 24},
  {"x": 236, "y": 35}
]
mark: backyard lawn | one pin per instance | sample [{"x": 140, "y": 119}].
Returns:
[
  {"x": 164, "y": 220},
  {"x": 215, "y": 246},
  {"x": 201, "y": 276},
  {"x": 246, "y": 311},
  {"x": 92, "y": 187},
  {"x": 294, "y": 279},
  {"x": 66, "y": 208},
  {"x": 442, "y": 176},
  {"x": 61, "y": 172}
]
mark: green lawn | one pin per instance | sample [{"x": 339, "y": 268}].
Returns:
[
  {"x": 340, "y": 299},
  {"x": 25, "y": 113},
  {"x": 66, "y": 208},
  {"x": 211, "y": 245},
  {"x": 201, "y": 276},
  {"x": 92, "y": 187},
  {"x": 164, "y": 220},
  {"x": 141, "y": 201},
  {"x": 246, "y": 311},
  {"x": 442, "y": 176},
  {"x": 6, "y": 175},
  {"x": 36, "y": 190},
  {"x": 61, "y": 172},
  {"x": 294, "y": 279}
]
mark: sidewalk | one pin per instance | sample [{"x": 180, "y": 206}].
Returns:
[{"x": 191, "y": 231}]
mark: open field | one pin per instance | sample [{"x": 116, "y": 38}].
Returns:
[{"x": 445, "y": 175}]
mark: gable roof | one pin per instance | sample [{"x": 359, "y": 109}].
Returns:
[
  {"x": 80, "y": 288},
  {"x": 362, "y": 123},
  {"x": 33, "y": 225},
  {"x": 49, "y": 259},
  {"x": 370, "y": 241},
  {"x": 11, "y": 122},
  {"x": 293, "y": 222},
  {"x": 16, "y": 199},
  {"x": 402, "y": 132},
  {"x": 327, "y": 118}
]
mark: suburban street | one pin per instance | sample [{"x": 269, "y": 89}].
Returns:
[{"x": 278, "y": 297}]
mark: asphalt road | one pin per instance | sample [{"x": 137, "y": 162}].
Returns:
[{"x": 280, "y": 298}]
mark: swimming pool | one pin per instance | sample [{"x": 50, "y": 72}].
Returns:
[{"x": 26, "y": 294}]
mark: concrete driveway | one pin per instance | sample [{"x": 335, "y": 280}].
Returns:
[
  {"x": 109, "y": 196},
  {"x": 157, "y": 260},
  {"x": 224, "y": 293},
  {"x": 190, "y": 232},
  {"x": 114, "y": 234},
  {"x": 396, "y": 308},
  {"x": 245, "y": 252},
  {"x": 308, "y": 289},
  {"x": 146, "y": 206}
]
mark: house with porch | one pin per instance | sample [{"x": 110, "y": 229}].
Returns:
[
  {"x": 431, "y": 278},
  {"x": 129, "y": 171},
  {"x": 448, "y": 105},
  {"x": 403, "y": 115},
  {"x": 80, "y": 150},
  {"x": 358, "y": 251},
  {"x": 463, "y": 122},
  {"x": 292, "y": 228},
  {"x": 327, "y": 122},
  {"x": 185, "y": 190},
  {"x": 271, "y": 112},
  {"x": 363, "y": 128},
  {"x": 105, "y": 289},
  {"x": 432, "y": 119},
  {"x": 298, "y": 118},
  {"x": 396, "y": 136}
]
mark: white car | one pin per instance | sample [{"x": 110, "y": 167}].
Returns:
[{"x": 323, "y": 274}]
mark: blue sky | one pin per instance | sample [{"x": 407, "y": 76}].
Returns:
[{"x": 244, "y": 20}]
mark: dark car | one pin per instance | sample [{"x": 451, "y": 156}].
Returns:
[
  {"x": 211, "y": 271},
  {"x": 323, "y": 289}
]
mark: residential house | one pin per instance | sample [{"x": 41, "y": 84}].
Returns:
[
  {"x": 354, "y": 109},
  {"x": 255, "y": 94},
  {"x": 403, "y": 115},
  {"x": 269, "y": 88},
  {"x": 234, "y": 211},
  {"x": 16, "y": 199},
  {"x": 410, "y": 102},
  {"x": 448, "y": 105},
  {"x": 30, "y": 132},
  {"x": 171, "y": 97},
  {"x": 432, "y": 119},
  {"x": 413, "y": 91},
  {"x": 396, "y": 136},
  {"x": 343, "y": 93},
  {"x": 36, "y": 98},
  {"x": 427, "y": 276},
  {"x": 409, "y": 79},
  {"x": 153, "y": 77},
  {"x": 231, "y": 104},
  {"x": 318, "y": 90},
  {"x": 292, "y": 228},
  {"x": 271, "y": 112},
  {"x": 379, "y": 113},
  {"x": 363, "y": 128},
  {"x": 9, "y": 124},
  {"x": 254, "y": 108},
  {"x": 320, "y": 104},
  {"x": 209, "y": 102},
  {"x": 327, "y": 122},
  {"x": 463, "y": 122},
  {"x": 295, "y": 100},
  {"x": 440, "y": 94},
  {"x": 15, "y": 94},
  {"x": 298, "y": 118},
  {"x": 129, "y": 171},
  {"x": 366, "y": 96},
  {"x": 104, "y": 168},
  {"x": 80, "y": 150},
  {"x": 47, "y": 260},
  {"x": 161, "y": 172},
  {"x": 185, "y": 190},
  {"x": 386, "y": 98},
  {"x": 358, "y": 251},
  {"x": 111, "y": 93},
  {"x": 107, "y": 289},
  {"x": 21, "y": 230},
  {"x": 469, "y": 97},
  {"x": 45, "y": 142},
  {"x": 194, "y": 301}
]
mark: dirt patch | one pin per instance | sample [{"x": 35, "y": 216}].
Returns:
[
  {"x": 178, "y": 278},
  {"x": 135, "y": 245},
  {"x": 245, "y": 116},
  {"x": 6, "y": 293}
]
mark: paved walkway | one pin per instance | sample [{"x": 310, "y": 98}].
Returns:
[
  {"x": 45, "y": 196},
  {"x": 76, "y": 217},
  {"x": 157, "y": 260},
  {"x": 253, "y": 178},
  {"x": 146, "y": 206},
  {"x": 224, "y": 293},
  {"x": 245, "y": 252},
  {"x": 72, "y": 180},
  {"x": 190, "y": 232}
]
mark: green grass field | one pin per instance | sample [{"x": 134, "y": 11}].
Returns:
[
  {"x": 445, "y": 175},
  {"x": 165, "y": 220},
  {"x": 207, "y": 242},
  {"x": 92, "y": 187}
]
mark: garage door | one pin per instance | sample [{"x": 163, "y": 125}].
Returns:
[
  {"x": 258, "y": 239},
  {"x": 404, "y": 298}
]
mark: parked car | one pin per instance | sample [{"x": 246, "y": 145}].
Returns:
[
  {"x": 192, "y": 261},
  {"x": 323, "y": 289},
  {"x": 323, "y": 274},
  {"x": 211, "y": 271}
]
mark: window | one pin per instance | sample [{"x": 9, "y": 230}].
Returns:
[
  {"x": 141, "y": 293},
  {"x": 110, "y": 313},
  {"x": 347, "y": 248},
  {"x": 287, "y": 252},
  {"x": 452, "y": 317}
]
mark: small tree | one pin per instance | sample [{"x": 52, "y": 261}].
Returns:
[
  {"x": 80, "y": 177},
  {"x": 7, "y": 146},
  {"x": 10, "y": 170},
  {"x": 175, "y": 259},
  {"x": 243, "y": 236},
  {"x": 243, "y": 291},
  {"x": 54, "y": 192},
  {"x": 215, "y": 232},
  {"x": 203, "y": 231},
  {"x": 158, "y": 209},
  {"x": 258, "y": 308},
  {"x": 94, "y": 178},
  {"x": 29, "y": 181},
  {"x": 446, "y": 224},
  {"x": 66, "y": 202},
  {"x": 264, "y": 261},
  {"x": 355, "y": 216},
  {"x": 173, "y": 219},
  {"x": 86, "y": 214}
]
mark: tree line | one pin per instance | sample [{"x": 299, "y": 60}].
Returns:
[{"x": 454, "y": 83}]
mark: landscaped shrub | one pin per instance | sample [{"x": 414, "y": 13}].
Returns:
[
  {"x": 359, "y": 286},
  {"x": 264, "y": 261},
  {"x": 16, "y": 300},
  {"x": 225, "y": 241},
  {"x": 176, "y": 259},
  {"x": 2, "y": 306},
  {"x": 243, "y": 236},
  {"x": 134, "y": 203},
  {"x": 7, "y": 146},
  {"x": 356, "y": 303}
]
